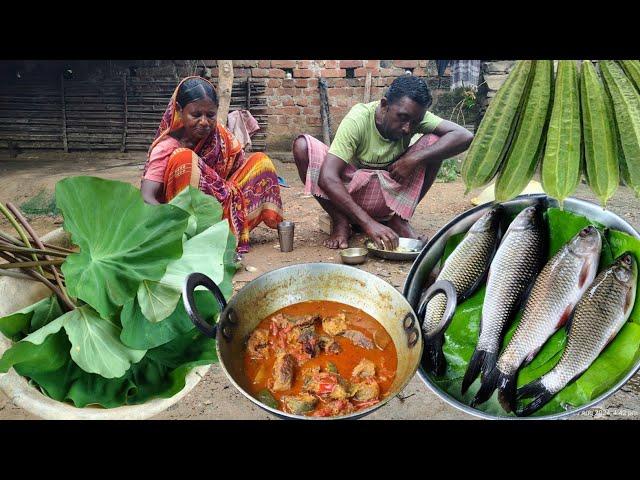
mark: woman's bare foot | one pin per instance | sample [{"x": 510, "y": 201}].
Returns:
[
  {"x": 340, "y": 233},
  {"x": 403, "y": 228}
]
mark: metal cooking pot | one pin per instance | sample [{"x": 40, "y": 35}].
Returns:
[
  {"x": 422, "y": 275},
  {"x": 298, "y": 283}
]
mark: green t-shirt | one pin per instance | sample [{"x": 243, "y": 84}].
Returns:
[{"x": 359, "y": 142}]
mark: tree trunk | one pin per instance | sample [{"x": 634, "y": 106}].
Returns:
[{"x": 225, "y": 84}]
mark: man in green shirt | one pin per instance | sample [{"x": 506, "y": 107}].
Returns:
[{"x": 372, "y": 175}]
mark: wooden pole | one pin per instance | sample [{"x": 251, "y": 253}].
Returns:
[
  {"x": 225, "y": 84},
  {"x": 64, "y": 116},
  {"x": 126, "y": 113},
  {"x": 324, "y": 111},
  {"x": 249, "y": 92},
  {"x": 367, "y": 88}
]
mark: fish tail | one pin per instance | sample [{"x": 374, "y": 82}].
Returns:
[
  {"x": 540, "y": 396},
  {"x": 489, "y": 382},
  {"x": 507, "y": 391},
  {"x": 481, "y": 361},
  {"x": 433, "y": 359}
]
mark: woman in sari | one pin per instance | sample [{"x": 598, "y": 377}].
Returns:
[{"x": 192, "y": 148}]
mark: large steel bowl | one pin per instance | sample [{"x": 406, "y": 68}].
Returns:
[
  {"x": 422, "y": 275},
  {"x": 286, "y": 286}
]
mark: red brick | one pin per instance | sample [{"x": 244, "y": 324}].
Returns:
[
  {"x": 274, "y": 82},
  {"x": 264, "y": 64},
  {"x": 303, "y": 63},
  {"x": 351, "y": 63},
  {"x": 331, "y": 64},
  {"x": 304, "y": 73},
  {"x": 301, "y": 101},
  {"x": 301, "y": 82},
  {"x": 422, "y": 63},
  {"x": 314, "y": 120},
  {"x": 276, "y": 72},
  {"x": 391, "y": 72},
  {"x": 315, "y": 100},
  {"x": 283, "y": 63},
  {"x": 261, "y": 72},
  {"x": 288, "y": 82},
  {"x": 245, "y": 63},
  {"x": 309, "y": 110},
  {"x": 420, "y": 72},
  {"x": 406, "y": 63},
  {"x": 372, "y": 63},
  {"x": 362, "y": 72},
  {"x": 290, "y": 110},
  {"x": 287, "y": 102},
  {"x": 282, "y": 120},
  {"x": 332, "y": 72}
]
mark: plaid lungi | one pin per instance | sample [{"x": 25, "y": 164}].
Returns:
[{"x": 373, "y": 190}]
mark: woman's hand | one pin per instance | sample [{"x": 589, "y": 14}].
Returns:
[{"x": 384, "y": 237}]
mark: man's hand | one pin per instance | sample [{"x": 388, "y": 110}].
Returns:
[
  {"x": 384, "y": 237},
  {"x": 402, "y": 169}
]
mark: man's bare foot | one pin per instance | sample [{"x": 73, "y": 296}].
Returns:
[
  {"x": 403, "y": 228},
  {"x": 340, "y": 233}
]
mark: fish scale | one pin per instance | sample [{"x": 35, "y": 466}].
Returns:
[
  {"x": 591, "y": 330},
  {"x": 598, "y": 317},
  {"x": 555, "y": 292},
  {"x": 465, "y": 269},
  {"x": 473, "y": 256},
  {"x": 512, "y": 271}
]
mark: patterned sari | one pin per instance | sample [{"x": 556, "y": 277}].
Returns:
[{"x": 246, "y": 186}]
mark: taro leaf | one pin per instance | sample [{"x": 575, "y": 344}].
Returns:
[
  {"x": 204, "y": 210},
  {"x": 161, "y": 373},
  {"x": 122, "y": 240},
  {"x": 611, "y": 365},
  {"x": 139, "y": 333},
  {"x": 96, "y": 345},
  {"x": 47, "y": 356},
  {"x": 18, "y": 324},
  {"x": 207, "y": 253}
]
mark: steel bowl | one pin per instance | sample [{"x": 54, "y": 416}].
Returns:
[
  {"x": 285, "y": 286},
  {"x": 354, "y": 256},
  {"x": 422, "y": 275},
  {"x": 412, "y": 244}
]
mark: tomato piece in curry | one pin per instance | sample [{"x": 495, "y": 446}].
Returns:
[{"x": 320, "y": 358}]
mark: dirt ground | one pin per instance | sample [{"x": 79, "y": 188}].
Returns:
[{"x": 214, "y": 397}]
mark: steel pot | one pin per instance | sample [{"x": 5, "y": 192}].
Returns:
[
  {"x": 298, "y": 283},
  {"x": 422, "y": 275}
]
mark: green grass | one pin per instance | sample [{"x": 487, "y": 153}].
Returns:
[
  {"x": 449, "y": 171},
  {"x": 44, "y": 203}
]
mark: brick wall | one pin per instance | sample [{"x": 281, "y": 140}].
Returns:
[{"x": 293, "y": 104}]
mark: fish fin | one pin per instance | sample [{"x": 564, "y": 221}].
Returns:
[
  {"x": 567, "y": 325},
  {"x": 565, "y": 316},
  {"x": 629, "y": 300},
  {"x": 507, "y": 391},
  {"x": 584, "y": 274},
  {"x": 433, "y": 359},
  {"x": 473, "y": 369},
  {"x": 489, "y": 382},
  {"x": 476, "y": 365},
  {"x": 541, "y": 397},
  {"x": 529, "y": 389}
]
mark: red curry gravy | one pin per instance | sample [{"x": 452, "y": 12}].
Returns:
[{"x": 316, "y": 370}]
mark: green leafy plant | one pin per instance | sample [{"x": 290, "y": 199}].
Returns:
[{"x": 129, "y": 338}]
